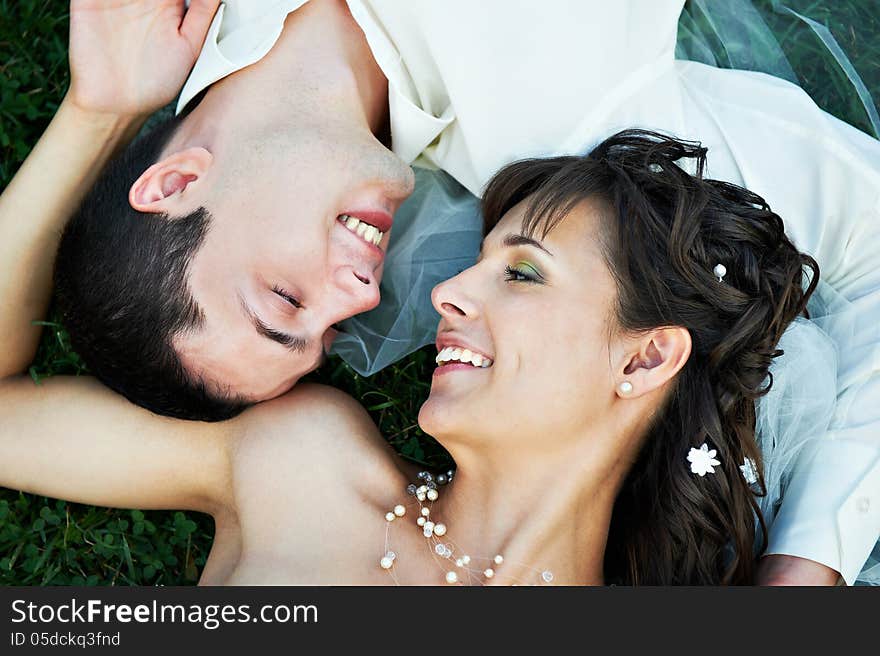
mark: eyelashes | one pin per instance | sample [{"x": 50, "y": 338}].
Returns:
[
  {"x": 287, "y": 297},
  {"x": 522, "y": 273}
]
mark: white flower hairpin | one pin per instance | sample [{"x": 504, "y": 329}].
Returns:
[{"x": 703, "y": 460}]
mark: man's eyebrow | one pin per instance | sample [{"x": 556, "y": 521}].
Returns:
[
  {"x": 522, "y": 240},
  {"x": 292, "y": 342}
]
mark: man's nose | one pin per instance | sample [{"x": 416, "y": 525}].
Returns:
[{"x": 354, "y": 291}]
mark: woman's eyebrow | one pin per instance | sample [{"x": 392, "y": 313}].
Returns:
[{"x": 522, "y": 240}]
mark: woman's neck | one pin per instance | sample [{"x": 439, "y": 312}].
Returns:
[{"x": 552, "y": 516}]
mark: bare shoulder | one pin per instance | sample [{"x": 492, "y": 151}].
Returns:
[
  {"x": 316, "y": 428},
  {"x": 306, "y": 468},
  {"x": 312, "y": 417}
]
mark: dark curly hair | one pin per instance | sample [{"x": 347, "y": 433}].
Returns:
[{"x": 666, "y": 231}]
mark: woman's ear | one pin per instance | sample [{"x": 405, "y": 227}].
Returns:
[
  {"x": 661, "y": 354},
  {"x": 159, "y": 188}
]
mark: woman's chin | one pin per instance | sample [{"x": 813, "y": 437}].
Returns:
[
  {"x": 440, "y": 416},
  {"x": 429, "y": 418}
]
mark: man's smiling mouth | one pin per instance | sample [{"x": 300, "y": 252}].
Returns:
[{"x": 369, "y": 233}]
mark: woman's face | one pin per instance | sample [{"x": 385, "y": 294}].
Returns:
[{"x": 540, "y": 311}]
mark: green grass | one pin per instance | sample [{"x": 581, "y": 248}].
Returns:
[{"x": 49, "y": 542}]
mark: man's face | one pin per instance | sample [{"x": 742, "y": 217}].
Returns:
[{"x": 281, "y": 264}]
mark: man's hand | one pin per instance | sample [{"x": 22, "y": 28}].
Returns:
[
  {"x": 778, "y": 569},
  {"x": 128, "y": 58},
  {"x": 131, "y": 57}
]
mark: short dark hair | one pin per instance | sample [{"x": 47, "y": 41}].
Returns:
[
  {"x": 121, "y": 285},
  {"x": 662, "y": 232}
]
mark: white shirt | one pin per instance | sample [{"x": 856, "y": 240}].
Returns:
[{"x": 475, "y": 85}]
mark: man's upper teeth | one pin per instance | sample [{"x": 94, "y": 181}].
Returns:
[
  {"x": 362, "y": 229},
  {"x": 456, "y": 353}
]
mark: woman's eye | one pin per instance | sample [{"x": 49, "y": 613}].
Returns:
[
  {"x": 287, "y": 297},
  {"x": 521, "y": 273}
]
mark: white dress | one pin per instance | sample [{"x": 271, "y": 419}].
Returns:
[{"x": 475, "y": 85}]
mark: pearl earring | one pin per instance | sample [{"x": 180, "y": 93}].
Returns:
[{"x": 625, "y": 387}]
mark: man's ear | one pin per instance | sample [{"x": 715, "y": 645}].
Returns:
[
  {"x": 161, "y": 185},
  {"x": 660, "y": 355}
]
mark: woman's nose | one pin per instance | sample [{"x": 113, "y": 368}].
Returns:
[{"x": 451, "y": 300}]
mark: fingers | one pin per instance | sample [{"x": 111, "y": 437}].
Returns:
[{"x": 197, "y": 21}]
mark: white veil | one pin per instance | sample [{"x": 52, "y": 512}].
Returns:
[
  {"x": 437, "y": 233},
  {"x": 797, "y": 410}
]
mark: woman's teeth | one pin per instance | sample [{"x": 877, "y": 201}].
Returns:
[
  {"x": 362, "y": 229},
  {"x": 456, "y": 354}
]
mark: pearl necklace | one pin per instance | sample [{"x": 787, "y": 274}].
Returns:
[{"x": 428, "y": 490}]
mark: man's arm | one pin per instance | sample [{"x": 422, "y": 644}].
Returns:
[
  {"x": 791, "y": 570},
  {"x": 33, "y": 210},
  {"x": 71, "y": 438},
  {"x": 127, "y": 59},
  {"x": 829, "y": 519},
  {"x": 830, "y": 515}
]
